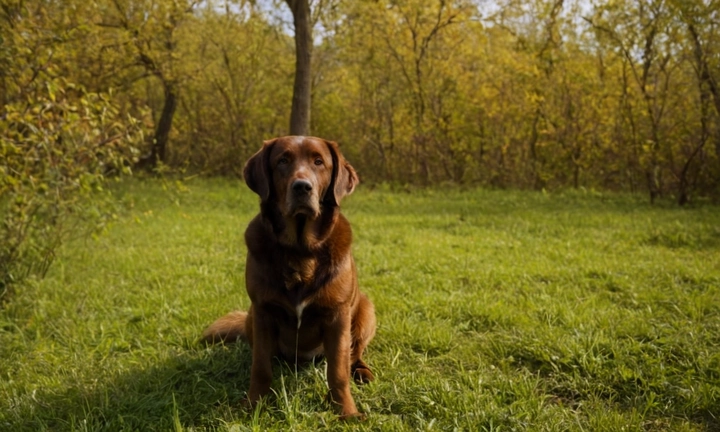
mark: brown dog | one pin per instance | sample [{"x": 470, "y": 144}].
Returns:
[{"x": 300, "y": 273}]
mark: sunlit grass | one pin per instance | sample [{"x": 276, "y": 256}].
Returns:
[{"x": 497, "y": 311}]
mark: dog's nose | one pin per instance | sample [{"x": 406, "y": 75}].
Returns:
[{"x": 301, "y": 186}]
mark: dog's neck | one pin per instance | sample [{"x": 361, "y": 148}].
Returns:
[{"x": 301, "y": 233}]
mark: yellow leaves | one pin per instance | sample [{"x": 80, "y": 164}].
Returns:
[{"x": 534, "y": 98}]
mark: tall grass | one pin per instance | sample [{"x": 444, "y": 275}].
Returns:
[{"x": 497, "y": 311}]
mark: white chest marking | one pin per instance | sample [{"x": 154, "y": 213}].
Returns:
[{"x": 299, "y": 311}]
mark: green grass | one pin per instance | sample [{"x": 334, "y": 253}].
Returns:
[{"x": 497, "y": 311}]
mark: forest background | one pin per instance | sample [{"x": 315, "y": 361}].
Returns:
[{"x": 620, "y": 95}]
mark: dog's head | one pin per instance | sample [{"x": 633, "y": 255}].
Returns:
[{"x": 301, "y": 175}]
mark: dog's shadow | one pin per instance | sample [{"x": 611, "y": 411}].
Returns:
[{"x": 197, "y": 387}]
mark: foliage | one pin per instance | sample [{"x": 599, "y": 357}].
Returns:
[
  {"x": 496, "y": 311},
  {"x": 240, "y": 94},
  {"x": 537, "y": 94},
  {"x": 57, "y": 143},
  {"x": 56, "y": 154}
]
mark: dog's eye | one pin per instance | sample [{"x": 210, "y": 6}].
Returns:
[
  {"x": 318, "y": 161},
  {"x": 283, "y": 161}
]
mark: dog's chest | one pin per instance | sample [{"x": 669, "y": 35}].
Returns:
[
  {"x": 298, "y": 276},
  {"x": 299, "y": 273}
]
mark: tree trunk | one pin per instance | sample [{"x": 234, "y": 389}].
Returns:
[
  {"x": 300, "y": 114},
  {"x": 158, "y": 151},
  {"x": 159, "y": 148}
]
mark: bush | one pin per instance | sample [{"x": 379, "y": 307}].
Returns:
[{"x": 58, "y": 145}]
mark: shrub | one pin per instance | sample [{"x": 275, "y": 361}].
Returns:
[{"x": 58, "y": 144}]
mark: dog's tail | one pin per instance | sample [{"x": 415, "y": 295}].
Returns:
[{"x": 227, "y": 329}]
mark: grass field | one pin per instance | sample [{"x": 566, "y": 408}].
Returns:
[{"x": 497, "y": 311}]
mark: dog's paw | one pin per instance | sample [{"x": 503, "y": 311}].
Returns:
[
  {"x": 361, "y": 373},
  {"x": 346, "y": 412},
  {"x": 353, "y": 417},
  {"x": 249, "y": 405}
]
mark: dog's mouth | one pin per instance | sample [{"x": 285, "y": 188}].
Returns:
[
  {"x": 303, "y": 211},
  {"x": 303, "y": 207}
]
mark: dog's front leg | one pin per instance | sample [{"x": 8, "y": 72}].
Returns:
[
  {"x": 337, "y": 341},
  {"x": 264, "y": 346}
]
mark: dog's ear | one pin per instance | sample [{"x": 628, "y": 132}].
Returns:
[
  {"x": 344, "y": 177},
  {"x": 257, "y": 171}
]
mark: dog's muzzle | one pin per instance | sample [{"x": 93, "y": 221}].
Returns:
[{"x": 303, "y": 198}]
